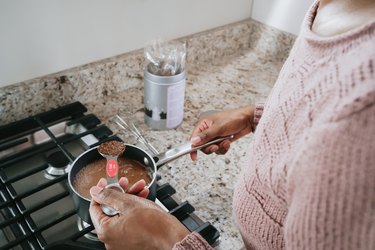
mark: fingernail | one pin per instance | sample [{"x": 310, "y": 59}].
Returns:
[
  {"x": 195, "y": 140},
  {"x": 226, "y": 145},
  {"x": 214, "y": 148},
  {"x": 124, "y": 181},
  {"x": 102, "y": 183},
  {"x": 141, "y": 181},
  {"x": 95, "y": 190}
]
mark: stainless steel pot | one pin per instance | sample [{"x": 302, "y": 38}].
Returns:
[{"x": 153, "y": 163}]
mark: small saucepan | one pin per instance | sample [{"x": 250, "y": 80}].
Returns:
[{"x": 153, "y": 163}]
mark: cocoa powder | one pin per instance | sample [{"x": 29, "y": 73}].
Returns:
[{"x": 111, "y": 148}]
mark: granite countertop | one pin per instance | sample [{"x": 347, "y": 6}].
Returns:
[
  {"x": 228, "y": 67},
  {"x": 207, "y": 183}
]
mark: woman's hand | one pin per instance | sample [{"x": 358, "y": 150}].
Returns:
[
  {"x": 140, "y": 223},
  {"x": 237, "y": 122}
]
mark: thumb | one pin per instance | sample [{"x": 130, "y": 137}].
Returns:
[
  {"x": 98, "y": 218},
  {"x": 106, "y": 196},
  {"x": 121, "y": 202},
  {"x": 205, "y": 136}
]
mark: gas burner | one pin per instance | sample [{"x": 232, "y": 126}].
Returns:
[
  {"x": 58, "y": 164},
  {"x": 36, "y": 210},
  {"x": 90, "y": 235}
]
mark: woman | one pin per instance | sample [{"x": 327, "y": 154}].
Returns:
[{"x": 310, "y": 178}]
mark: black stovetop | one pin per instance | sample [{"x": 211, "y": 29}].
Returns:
[{"x": 36, "y": 209}]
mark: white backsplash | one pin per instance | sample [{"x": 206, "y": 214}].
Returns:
[{"x": 42, "y": 37}]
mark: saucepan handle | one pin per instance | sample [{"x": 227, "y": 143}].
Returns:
[{"x": 183, "y": 149}]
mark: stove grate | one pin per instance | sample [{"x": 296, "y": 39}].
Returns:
[{"x": 23, "y": 148}]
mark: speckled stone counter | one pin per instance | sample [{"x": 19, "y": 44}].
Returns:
[{"x": 227, "y": 67}]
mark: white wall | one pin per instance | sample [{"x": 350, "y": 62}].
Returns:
[
  {"x": 40, "y": 37},
  {"x": 286, "y": 15}
]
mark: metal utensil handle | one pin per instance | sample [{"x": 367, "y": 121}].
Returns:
[
  {"x": 112, "y": 181},
  {"x": 183, "y": 149},
  {"x": 107, "y": 209}
]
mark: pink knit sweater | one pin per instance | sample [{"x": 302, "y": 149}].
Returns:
[{"x": 310, "y": 178}]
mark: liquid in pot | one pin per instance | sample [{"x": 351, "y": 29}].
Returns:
[{"x": 90, "y": 175}]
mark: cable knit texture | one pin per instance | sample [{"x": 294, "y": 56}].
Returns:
[
  {"x": 310, "y": 178},
  {"x": 191, "y": 242},
  {"x": 259, "y": 107}
]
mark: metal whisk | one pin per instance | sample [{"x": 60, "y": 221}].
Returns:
[{"x": 127, "y": 125}]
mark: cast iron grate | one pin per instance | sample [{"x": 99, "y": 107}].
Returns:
[{"x": 16, "y": 217}]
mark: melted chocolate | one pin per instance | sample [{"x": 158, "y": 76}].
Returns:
[{"x": 90, "y": 175}]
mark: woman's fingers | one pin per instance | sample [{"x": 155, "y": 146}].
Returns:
[
  {"x": 144, "y": 193},
  {"x": 201, "y": 134},
  {"x": 231, "y": 122},
  {"x": 202, "y": 126},
  {"x": 223, "y": 147},
  {"x": 106, "y": 196},
  {"x": 137, "y": 187},
  {"x": 124, "y": 182},
  {"x": 102, "y": 183},
  {"x": 97, "y": 216},
  {"x": 194, "y": 155}
]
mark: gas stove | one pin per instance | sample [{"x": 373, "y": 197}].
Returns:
[{"x": 36, "y": 209}]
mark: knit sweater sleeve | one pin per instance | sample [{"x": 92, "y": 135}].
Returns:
[
  {"x": 192, "y": 241},
  {"x": 258, "y": 112},
  {"x": 331, "y": 189}
]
